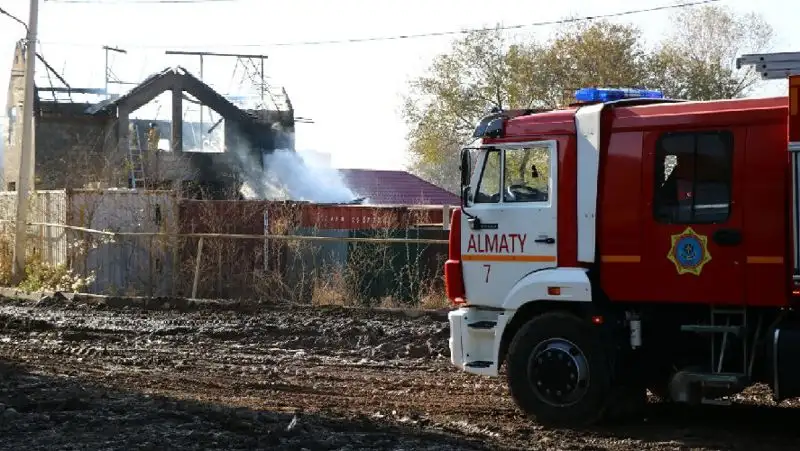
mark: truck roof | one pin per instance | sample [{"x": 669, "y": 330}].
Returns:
[{"x": 638, "y": 117}]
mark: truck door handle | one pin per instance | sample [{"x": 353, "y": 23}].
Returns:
[
  {"x": 545, "y": 240},
  {"x": 727, "y": 237}
]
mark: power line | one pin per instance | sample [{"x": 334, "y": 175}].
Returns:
[
  {"x": 509, "y": 27},
  {"x": 139, "y": 2},
  {"x": 13, "y": 17},
  {"x": 419, "y": 35}
]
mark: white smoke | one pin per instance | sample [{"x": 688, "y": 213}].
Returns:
[
  {"x": 288, "y": 176},
  {"x": 288, "y": 171}
]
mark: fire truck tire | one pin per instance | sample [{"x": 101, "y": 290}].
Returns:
[{"x": 558, "y": 372}]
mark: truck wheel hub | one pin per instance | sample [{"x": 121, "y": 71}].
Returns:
[{"x": 559, "y": 372}]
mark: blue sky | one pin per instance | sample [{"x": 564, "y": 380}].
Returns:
[{"x": 352, "y": 91}]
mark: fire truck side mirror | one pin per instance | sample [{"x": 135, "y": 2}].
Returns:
[
  {"x": 466, "y": 169},
  {"x": 466, "y": 172}
]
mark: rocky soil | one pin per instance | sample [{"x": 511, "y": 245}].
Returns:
[{"x": 106, "y": 375}]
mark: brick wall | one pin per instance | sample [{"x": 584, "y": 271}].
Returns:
[{"x": 73, "y": 152}]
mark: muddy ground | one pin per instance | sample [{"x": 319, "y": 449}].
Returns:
[{"x": 98, "y": 376}]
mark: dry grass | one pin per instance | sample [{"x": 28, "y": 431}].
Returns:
[
  {"x": 331, "y": 290},
  {"x": 435, "y": 300},
  {"x": 6, "y": 260}
]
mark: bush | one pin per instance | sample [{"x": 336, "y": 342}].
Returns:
[{"x": 41, "y": 276}]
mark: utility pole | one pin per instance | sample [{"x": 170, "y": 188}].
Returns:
[
  {"x": 27, "y": 152},
  {"x": 202, "y": 140},
  {"x": 107, "y": 49}
]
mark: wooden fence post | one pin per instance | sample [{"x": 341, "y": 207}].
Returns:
[{"x": 197, "y": 267}]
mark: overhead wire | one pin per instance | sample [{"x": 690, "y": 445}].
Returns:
[
  {"x": 412, "y": 36},
  {"x": 500, "y": 27},
  {"x": 372, "y": 38},
  {"x": 139, "y": 2},
  {"x": 14, "y": 18}
]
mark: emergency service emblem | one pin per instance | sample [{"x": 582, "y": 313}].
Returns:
[{"x": 689, "y": 252}]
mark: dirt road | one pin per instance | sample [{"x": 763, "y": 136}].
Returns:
[{"x": 74, "y": 375}]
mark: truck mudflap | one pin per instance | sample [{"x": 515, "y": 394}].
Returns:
[{"x": 475, "y": 337}]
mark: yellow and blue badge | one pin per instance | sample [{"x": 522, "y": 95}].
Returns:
[{"x": 689, "y": 252}]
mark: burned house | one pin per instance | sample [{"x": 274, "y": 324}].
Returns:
[{"x": 85, "y": 144}]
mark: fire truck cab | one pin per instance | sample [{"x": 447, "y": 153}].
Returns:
[{"x": 631, "y": 242}]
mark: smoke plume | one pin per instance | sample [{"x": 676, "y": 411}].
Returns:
[
  {"x": 290, "y": 173},
  {"x": 288, "y": 176}
]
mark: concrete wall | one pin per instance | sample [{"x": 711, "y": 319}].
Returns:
[
  {"x": 197, "y": 166},
  {"x": 74, "y": 152},
  {"x": 3, "y": 125},
  {"x": 69, "y": 144},
  {"x": 79, "y": 151},
  {"x": 14, "y": 101}
]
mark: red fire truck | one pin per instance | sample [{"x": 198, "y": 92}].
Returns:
[{"x": 629, "y": 243}]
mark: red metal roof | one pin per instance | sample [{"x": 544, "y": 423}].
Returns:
[{"x": 382, "y": 187}]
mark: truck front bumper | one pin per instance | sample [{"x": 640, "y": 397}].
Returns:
[{"x": 475, "y": 337}]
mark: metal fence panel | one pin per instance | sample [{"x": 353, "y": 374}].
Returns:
[{"x": 126, "y": 265}]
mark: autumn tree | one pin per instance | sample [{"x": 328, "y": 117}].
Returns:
[
  {"x": 697, "y": 58},
  {"x": 483, "y": 71},
  {"x": 444, "y": 104}
]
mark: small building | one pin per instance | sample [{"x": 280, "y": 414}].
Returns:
[{"x": 83, "y": 144}]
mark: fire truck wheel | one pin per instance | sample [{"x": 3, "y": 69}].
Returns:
[{"x": 558, "y": 372}]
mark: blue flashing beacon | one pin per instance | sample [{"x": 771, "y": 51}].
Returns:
[{"x": 611, "y": 94}]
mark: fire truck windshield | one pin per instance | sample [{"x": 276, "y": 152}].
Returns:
[{"x": 523, "y": 176}]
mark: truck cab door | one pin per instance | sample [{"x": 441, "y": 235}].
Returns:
[
  {"x": 509, "y": 228},
  {"x": 693, "y": 247}
]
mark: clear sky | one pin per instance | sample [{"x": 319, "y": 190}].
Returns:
[{"x": 352, "y": 91}]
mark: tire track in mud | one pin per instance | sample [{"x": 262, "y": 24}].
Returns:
[{"x": 374, "y": 369}]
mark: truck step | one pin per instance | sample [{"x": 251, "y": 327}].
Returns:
[
  {"x": 716, "y": 380},
  {"x": 722, "y": 380},
  {"x": 709, "y": 329},
  {"x": 479, "y": 364},
  {"x": 683, "y": 384},
  {"x": 716, "y": 402},
  {"x": 482, "y": 325}
]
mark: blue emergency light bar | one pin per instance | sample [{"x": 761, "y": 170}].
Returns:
[{"x": 611, "y": 94}]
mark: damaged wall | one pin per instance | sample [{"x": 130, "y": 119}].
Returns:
[
  {"x": 73, "y": 152},
  {"x": 70, "y": 145}
]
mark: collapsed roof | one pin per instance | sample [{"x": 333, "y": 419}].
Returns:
[{"x": 178, "y": 78}]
